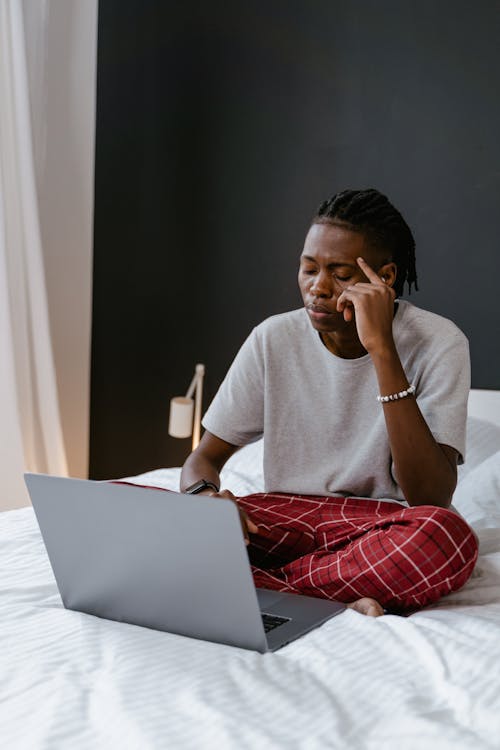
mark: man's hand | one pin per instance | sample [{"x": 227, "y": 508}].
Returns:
[
  {"x": 247, "y": 524},
  {"x": 373, "y": 304}
]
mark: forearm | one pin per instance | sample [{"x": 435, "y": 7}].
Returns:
[
  {"x": 198, "y": 466},
  {"x": 206, "y": 461},
  {"x": 422, "y": 469}
]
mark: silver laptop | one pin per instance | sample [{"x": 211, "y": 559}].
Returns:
[{"x": 163, "y": 560}]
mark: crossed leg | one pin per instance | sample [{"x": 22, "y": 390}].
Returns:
[{"x": 370, "y": 554}]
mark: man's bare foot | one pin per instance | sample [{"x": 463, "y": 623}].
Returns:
[{"x": 367, "y": 606}]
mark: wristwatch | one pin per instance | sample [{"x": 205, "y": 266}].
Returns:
[{"x": 199, "y": 486}]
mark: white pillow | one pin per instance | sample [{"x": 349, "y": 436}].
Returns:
[
  {"x": 482, "y": 441},
  {"x": 243, "y": 474},
  {"x": 477, "y": 496},
  {"x": 248, "y": 459}
]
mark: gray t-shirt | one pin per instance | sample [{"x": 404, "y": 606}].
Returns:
[{"x": 324, "y": 430}]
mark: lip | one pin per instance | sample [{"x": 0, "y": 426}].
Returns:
[{"x": 319, "y": 312}]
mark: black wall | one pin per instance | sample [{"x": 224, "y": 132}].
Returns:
[{"x": 221, "y": 126}]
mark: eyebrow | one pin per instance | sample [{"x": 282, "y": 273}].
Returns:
[{"x": 330, "y": 265}]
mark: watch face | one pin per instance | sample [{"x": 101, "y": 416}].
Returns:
[
  {"x": 200, "y": 485},
  {"x": 196, "y": 487}
]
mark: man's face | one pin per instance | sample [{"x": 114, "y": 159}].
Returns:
[{"x": 327, "y": 266}]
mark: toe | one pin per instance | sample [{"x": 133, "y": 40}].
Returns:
[{"x": 367, "y": 606}]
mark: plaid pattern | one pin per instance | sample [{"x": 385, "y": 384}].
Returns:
[{"x": 347, "y": 548}]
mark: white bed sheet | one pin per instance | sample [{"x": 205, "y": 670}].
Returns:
[{"x": 70, "y": 680}]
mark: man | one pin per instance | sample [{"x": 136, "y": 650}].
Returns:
[{"x": 361, "y": 398}]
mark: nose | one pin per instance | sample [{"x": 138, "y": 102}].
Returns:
[{"x": 322, "y": 285}]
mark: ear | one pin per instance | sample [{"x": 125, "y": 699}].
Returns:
[{"x": 388, "y": 273}]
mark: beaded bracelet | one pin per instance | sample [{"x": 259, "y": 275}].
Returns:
[{"x": 397, "y": 396}]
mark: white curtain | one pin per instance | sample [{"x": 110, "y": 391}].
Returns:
[{"x": 30, "y": 426}]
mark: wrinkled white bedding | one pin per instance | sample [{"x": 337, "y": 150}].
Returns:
[{"x": 70, "y": 680}]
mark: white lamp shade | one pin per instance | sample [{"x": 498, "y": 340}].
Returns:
[{"x": 180, "y": 423}]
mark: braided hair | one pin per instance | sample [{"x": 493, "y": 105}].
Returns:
[{"x": 370, "y": 213}]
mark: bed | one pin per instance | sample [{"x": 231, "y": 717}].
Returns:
[{"x": 70, "y": 680}]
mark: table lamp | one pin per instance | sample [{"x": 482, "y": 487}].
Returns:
[{"x": 181, "y": 423}]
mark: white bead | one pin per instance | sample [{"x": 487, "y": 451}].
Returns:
[{"x": 395, "y": 396}]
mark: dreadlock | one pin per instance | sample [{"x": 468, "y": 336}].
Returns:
[{"x": 371, "y": 213}]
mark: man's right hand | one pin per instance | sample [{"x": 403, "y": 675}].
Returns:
[
  {"x": 247, "y": 525},
  {"x": 207, "y": 461}
]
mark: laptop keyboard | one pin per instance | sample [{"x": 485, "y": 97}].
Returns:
[{"x": 272, "y": 621}]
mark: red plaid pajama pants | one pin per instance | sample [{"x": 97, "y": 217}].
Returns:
[{"x": 347, "y": 548}]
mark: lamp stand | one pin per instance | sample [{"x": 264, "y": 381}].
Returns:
[{"x": 197, "y": 387}]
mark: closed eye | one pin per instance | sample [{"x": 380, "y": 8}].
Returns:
[{"x": 312, "y": 271}]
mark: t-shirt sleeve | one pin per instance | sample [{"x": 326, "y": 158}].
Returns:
[
  {"x": 443, "y": 389},
  {"x": 236, "y": 413}
]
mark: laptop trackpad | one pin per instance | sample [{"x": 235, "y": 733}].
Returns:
[{"x": 267, "y": 598}]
